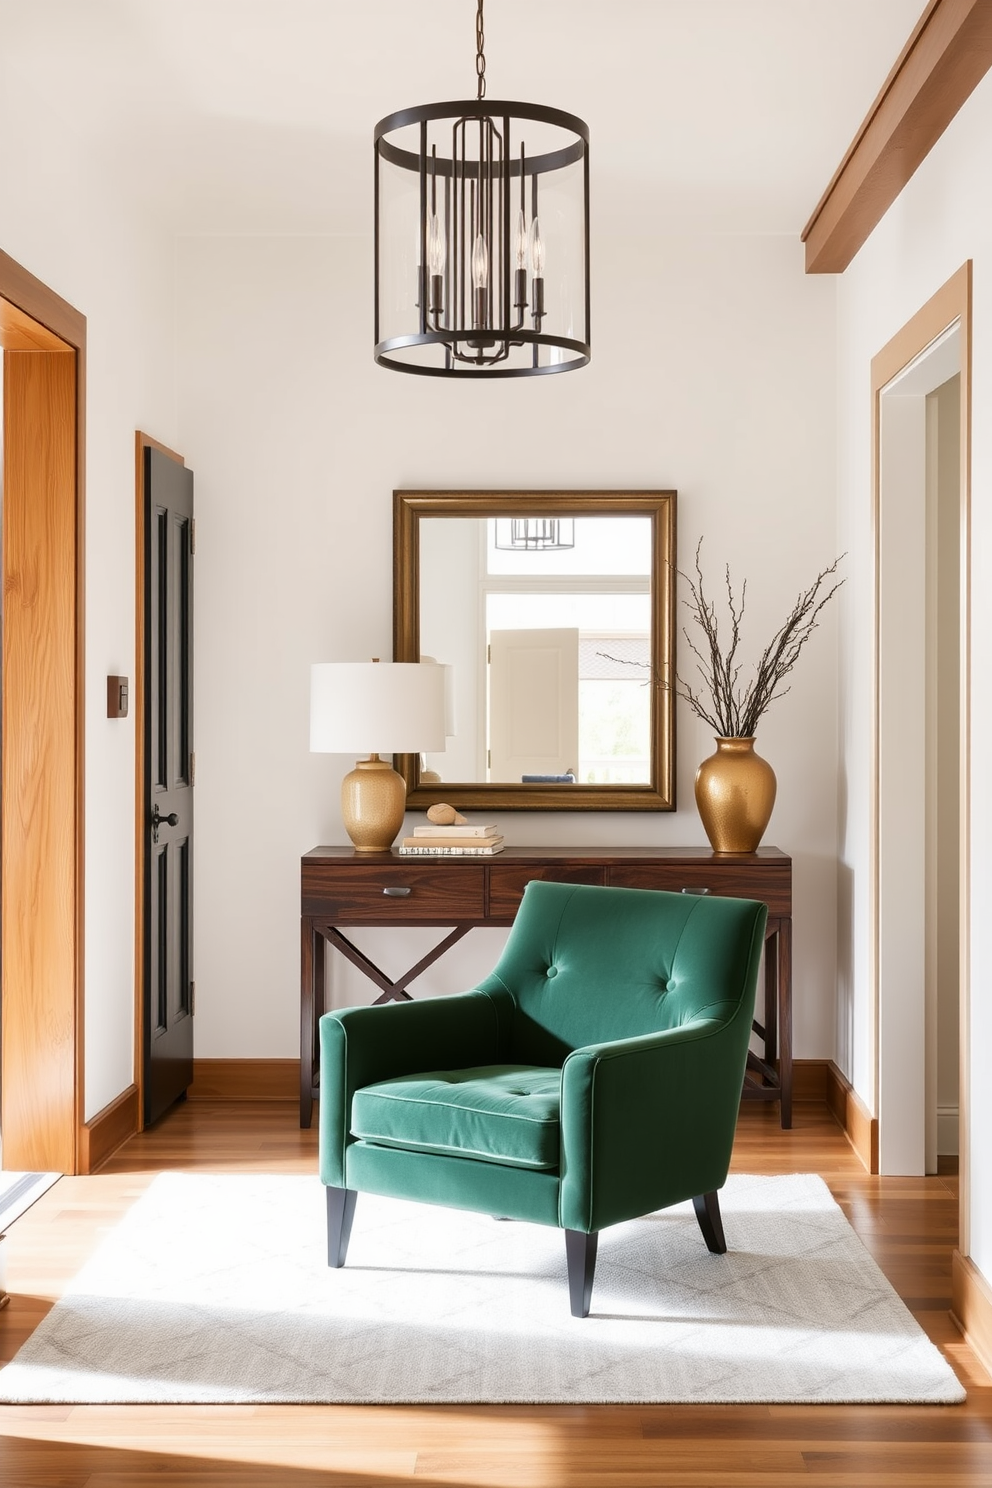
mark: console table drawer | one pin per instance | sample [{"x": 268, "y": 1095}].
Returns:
[
  {"x": 772, "y": 886},
  {"x": 380, "y": 892},
  {"x": 507, "y": 882}
]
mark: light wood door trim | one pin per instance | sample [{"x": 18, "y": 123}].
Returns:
[
  {"x": 141, "y": 443},
  {"x": 42, "y": 852},
  {"x": 18, "y": 332},
  {"x": 939, "y": 68},
  {"x": 951, "y": 304},
  {"x": 27, "y": 294}
]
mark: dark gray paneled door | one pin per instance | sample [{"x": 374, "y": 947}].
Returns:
[{"x": 168, "y": 782}]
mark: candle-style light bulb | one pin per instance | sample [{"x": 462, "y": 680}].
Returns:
[
  {"x": 480, "y": 263},
  {"x": 520, "y": 273},
  {"x": 436, "y": 251},
  {"x": 520, "y": 242},
  {"x": 536, "y": 249},
  {"x": 436, "y": 257},
  {"x": 537, "y": 269},
  {"x": 480, "y": 279}
]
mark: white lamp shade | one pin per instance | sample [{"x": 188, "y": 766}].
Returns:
[{"x": 377, "y": 707}]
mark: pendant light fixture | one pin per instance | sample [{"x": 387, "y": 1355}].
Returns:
[
  {"x": 481, "y": 237},
  {"x": 535, "y": 534}
]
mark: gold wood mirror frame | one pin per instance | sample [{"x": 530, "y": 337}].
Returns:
[{"x": 413, "y": 509}]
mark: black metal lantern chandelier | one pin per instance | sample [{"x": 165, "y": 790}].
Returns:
[
  {"x": 481, "y": 238},
  {"x": 535, "y": 534}
]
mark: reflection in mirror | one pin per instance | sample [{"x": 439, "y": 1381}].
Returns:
[
  {"x": 555, "y": 622},
  {"x": 551, "y": 669}
]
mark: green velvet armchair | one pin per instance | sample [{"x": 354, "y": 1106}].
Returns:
[{"x": 593, "y": 1077}]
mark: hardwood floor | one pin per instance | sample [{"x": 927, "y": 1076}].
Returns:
[{"x": 908, "y": 1224}]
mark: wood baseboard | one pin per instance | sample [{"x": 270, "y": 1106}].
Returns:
[
  {"x": 853, "y": 1117},
  {"x": 971, "y": 1306},
  {"x": 109, "y": 1129},
  {"x": 245, "y": 1080},
  {"x": 279, "y": 1080},
  {"x": 809, "y": 1080}
]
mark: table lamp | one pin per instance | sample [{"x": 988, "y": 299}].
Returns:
[{"x": 396, "y": 706}]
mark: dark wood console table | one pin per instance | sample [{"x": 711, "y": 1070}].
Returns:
[{"x": 341, "y": 887}]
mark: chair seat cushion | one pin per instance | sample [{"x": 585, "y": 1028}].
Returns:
[{"x": 501, "y": 1113}]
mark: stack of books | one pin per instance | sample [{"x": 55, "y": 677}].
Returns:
[{"x": 468, "y": 841}]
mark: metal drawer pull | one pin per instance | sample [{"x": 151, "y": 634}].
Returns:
[
  {"x": 695, "y": 891},
  {"x": 395, "y": 893}
]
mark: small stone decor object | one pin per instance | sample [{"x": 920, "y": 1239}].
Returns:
[{"x": 443, "y": 815}]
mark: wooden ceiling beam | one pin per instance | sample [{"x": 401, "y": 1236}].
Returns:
[{"x": 941, "y": 64}]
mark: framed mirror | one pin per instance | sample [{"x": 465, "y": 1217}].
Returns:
[{"x": 555, "y": 611}]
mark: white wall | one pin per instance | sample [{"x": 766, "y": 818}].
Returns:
[
  {"x": 64, "y": 217},
  {"x": 942, "y": 218},
  {"x": 713, "y": 372}
]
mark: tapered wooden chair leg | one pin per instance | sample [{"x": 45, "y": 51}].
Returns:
[
  {"x": 707, "y": 1207},
  {"x": 580, "y": 1254},
  {"x": 340, "y": 1213}
]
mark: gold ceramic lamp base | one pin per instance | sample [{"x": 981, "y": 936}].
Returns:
[{"x": 373, "y": 800}]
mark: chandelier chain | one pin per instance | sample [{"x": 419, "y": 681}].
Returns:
[{"x": 480, "y": 54}]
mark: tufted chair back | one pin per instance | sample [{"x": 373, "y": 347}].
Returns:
[{"x": 587, "y": 965}]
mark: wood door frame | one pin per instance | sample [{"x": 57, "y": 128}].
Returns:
[
  {"x": 42, "y": 1072},
  {"x": 951, "y": 304},
  {"x": 142, "y": 442}
]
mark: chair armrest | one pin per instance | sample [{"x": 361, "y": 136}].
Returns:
[
  {"x": 650, "y": 1121},
  {"x": 361, "y": 1045}
]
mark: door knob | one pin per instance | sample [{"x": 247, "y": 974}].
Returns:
[{"x": 158, "y": 820}]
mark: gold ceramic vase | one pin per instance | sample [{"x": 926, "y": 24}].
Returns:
[{"x": 735, "y": 793}]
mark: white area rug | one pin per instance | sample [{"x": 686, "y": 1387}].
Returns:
[{"x": 216, "y": 1289}]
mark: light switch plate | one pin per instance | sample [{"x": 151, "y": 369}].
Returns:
[{"x": 117, "y": 688}]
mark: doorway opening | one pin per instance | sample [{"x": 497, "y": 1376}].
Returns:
[
  {"x": 921, "y": 390},
  {"x": 41, "y": 727}
]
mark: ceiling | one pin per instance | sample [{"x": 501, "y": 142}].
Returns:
[{"x": 725, "y": 116}]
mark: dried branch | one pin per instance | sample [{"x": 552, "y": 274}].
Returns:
[{"x": 731, "y": 709}]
